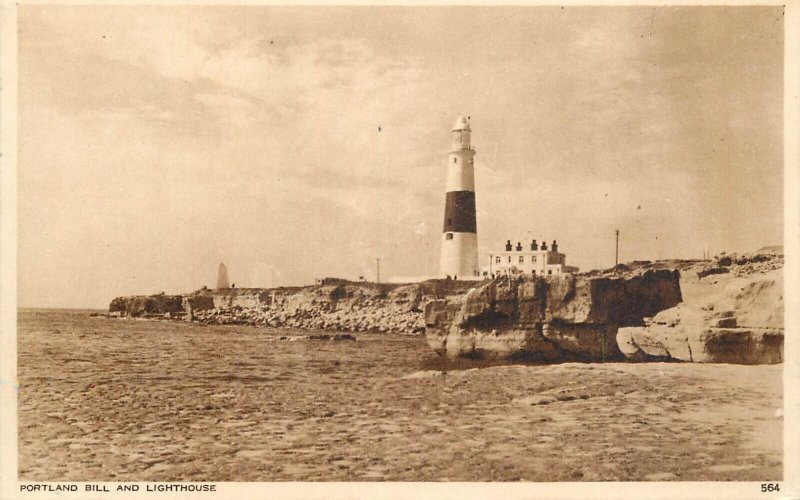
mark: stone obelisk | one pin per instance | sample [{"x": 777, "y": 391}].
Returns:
[
  {"x": 222, "y": 277},
  {"x": 460, "y": 236}
]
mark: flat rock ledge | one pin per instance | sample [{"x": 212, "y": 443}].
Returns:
[{"x": 746, "y": 346}]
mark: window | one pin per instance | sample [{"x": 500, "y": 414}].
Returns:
[
  {"x": 521, "y": 259},
  {"x": 455, "y": 160},
  {"x": 449, "y": 236},
  {"x": 509, "y": 259},
  {"x": 497, "y": 260},
  {"x": 549, "y": 271},
  {"x": 533, "y": 271},
  {"x": 533, "y": 258}
]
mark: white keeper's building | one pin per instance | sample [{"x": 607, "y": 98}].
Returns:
[{"x": 536, "y": 260}]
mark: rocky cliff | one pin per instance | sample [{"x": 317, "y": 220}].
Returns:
[
  {"x": 732, "y": 313},
  {"x": 726, "y": 310},
  {"x": 553, "y": 318},
  {"x": 147, "y": 306}
]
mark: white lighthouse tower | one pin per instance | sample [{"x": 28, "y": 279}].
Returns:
[{"x": 460, "y": 238}]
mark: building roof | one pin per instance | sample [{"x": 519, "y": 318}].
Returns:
[{"x": 462, "y": 123}]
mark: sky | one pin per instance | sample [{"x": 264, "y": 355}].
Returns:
[{"x": 293, "y": 143}]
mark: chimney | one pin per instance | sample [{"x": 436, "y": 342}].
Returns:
[
  {"x": 554, "y": 246},
  {"x": 544, "y": 245},
  {"x": 519, "y": 246},
  {"x": 508, "y": 245},
  {"x": 534, "y": 246}
]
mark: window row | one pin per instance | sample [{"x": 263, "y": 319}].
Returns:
[
  {"x": 508, "y": 272},
  {"x": 498, "y": 260}
]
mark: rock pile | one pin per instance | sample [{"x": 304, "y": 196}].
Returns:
[
  {"x": 743, "y": 265},
  {"x": 366, "y": 316}
]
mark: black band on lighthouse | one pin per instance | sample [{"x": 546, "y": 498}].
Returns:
[{"x": 459, "y": 212}]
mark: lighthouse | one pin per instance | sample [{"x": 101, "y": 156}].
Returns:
[{"x": 460, "y": 235}]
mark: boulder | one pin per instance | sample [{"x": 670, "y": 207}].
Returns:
[
  {"x": 654, "y": 343},
  {"x": 742, "y": 346}
]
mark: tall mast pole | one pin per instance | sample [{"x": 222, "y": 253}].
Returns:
[{"x": 616, "y": 252}]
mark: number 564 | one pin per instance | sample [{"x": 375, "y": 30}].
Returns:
[{"x": 770, "y": 487}]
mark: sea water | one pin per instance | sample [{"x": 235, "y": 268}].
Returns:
[{"x": 127, "y": 400}]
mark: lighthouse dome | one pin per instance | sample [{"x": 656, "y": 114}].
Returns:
[{"x": 462, "y": 123}]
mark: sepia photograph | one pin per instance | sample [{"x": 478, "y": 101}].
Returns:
[{"x": 397, "y": 244}]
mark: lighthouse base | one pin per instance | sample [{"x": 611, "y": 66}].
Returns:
[{"x": 459, "y": 256}]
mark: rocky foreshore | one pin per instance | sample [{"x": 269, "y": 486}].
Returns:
[
  {"x": 726, "y": 310},
  {"x": 333, "y": 305},
  {"x": 729, "y": 309}
]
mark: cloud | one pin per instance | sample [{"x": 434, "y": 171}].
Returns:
[{"x": 293, "y": 143}]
